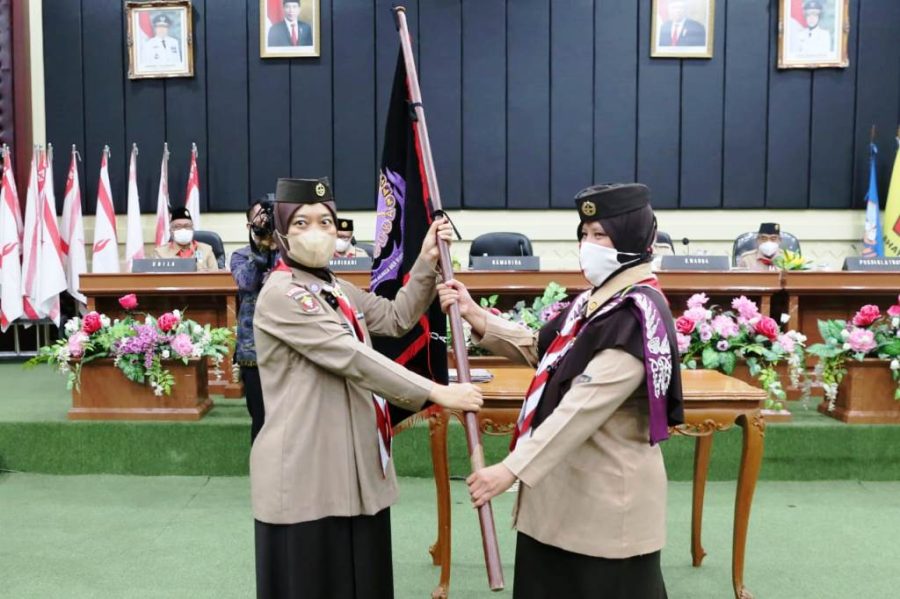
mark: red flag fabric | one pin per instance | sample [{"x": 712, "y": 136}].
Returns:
[
  {"x": 134, "y": 242},
  {"x": 11, "y": 231},
  {"x": 72, "y": 232},
  {"x": 192, "y": 193},
  {"x": 51, "y": 275},
  {"x": 105, "y": 258}
]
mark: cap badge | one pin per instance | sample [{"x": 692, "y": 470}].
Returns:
[
  {"x": 588, "y": 208},
  {"x": 320, "y": 190}
]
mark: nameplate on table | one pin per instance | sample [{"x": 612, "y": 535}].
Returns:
[
  {"x": 872, "y": 264},
  {"x": 143, "y": 265},
  {"x": 695, "y": 263},
  {"x": 357, "y": 263},
  {"x": 505, "y": 263}
]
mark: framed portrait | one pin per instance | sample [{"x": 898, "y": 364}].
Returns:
[
  {"x": 288, "y": 28},
  {"x": 160, "y": 39},
  {"x": 682, "y": 28},
  {"x": 812, "y": 34}
]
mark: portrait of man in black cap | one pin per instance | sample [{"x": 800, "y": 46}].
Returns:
[
  {"x": 813, "y": 33},
  {"x": 160, "y": 39},
  {"x": 813, "y": 39}
]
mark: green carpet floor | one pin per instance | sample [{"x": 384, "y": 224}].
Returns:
[
  {"x": 36, "y": 437},
  {"x": 191, "y": 537}
]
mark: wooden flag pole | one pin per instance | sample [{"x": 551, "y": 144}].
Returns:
[{"x": 473, "y": 436}]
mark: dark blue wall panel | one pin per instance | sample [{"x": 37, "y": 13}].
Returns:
[
  {"x": 527, "y": 101},
  {"x": 528, "y": 104}
]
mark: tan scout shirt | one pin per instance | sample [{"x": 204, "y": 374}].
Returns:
[
  {"x": 591, "y": 482},
  {"x": 317, "y": 453},
  {"x": 206, "y": 257},
  {"x": 751, "y": 261}
]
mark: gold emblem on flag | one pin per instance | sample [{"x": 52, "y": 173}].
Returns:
[
  {"x": 588, "y": 208},
  {"x": 320, "y": 190}
]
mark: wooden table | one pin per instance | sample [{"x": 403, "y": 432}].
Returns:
[
  {"x": 206, "y": 297},
  {"x": 721, "y": 287},
  {"x": 713, "y": 402},
  {"x": 824, "y": 295}
]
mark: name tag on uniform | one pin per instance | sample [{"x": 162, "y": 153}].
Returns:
[{"x": 695, "y": 263}]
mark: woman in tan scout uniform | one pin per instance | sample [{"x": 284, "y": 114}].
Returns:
[
  {"x": 320, "y": 471},
  {"x": 591, "y": 511}
]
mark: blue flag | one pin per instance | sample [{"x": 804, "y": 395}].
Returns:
[{"x": 873, "y": 242}]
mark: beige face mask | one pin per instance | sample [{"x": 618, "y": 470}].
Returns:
[{"x": 313, "y": 249}]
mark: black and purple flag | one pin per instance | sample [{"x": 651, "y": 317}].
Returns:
[{"x": 403, "y": 218}]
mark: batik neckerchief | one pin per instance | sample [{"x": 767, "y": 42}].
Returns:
[
  {"x": 657, "y": 359},
  {"x": 382, "y": 414}
]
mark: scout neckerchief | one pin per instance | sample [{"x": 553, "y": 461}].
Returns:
[
  {"x": 657, "y": 358},
  {"x": 382, "y": 414},
  {"x": 187, "y": 252}
]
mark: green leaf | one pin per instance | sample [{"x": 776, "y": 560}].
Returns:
[
  {"x": 831, "y": 329},
  {"x": 728, "y": 361},
  {"x": 710, "y": 358},
  {"x": 891, "y": 348}
]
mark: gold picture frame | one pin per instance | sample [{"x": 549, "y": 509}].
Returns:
[
  {"x": 824, "y": 45},
  {"x": 275, "y": 33},
  {"x": 689, "y": 33},
  {"x": 160, "y": 39}
]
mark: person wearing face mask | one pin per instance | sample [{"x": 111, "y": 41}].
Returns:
[
  {"x": 249, "y": 266},
  {"x": 768, "y": 249},
  {"x": 345, "y": 246},
  {"x": 321, "y": 474},
  {"x": 591, "y": 509},
  {"x": 183, "y": 244}
]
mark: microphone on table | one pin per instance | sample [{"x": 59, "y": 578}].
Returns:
[
  {"x": 521, "y": 248},
  {"x": 687, "y": 243}
]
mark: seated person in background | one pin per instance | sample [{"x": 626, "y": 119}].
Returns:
[
  {"x": 768, "y": 248},
  {"x": 346, "y": 244},
  {"x": 183, "y": 245}
]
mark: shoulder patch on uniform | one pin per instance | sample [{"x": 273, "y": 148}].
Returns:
[
  {"x": 307, "y": 302},
  {"x": 581, "y": 379}
]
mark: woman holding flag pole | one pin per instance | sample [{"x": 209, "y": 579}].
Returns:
[
  {"x": 321, "y": 476},
  {"x": 591, "y": 511}
]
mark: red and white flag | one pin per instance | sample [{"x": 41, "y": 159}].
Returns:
[
  {"x": 192, "y": 193},
  {"x": 31, "y": 243},
  {"x": 134, "y": 243},
  {"x": 51, "y": 280},
  {"x": 72, "y": 232},
  {"x": 11, "y": 306},
  {"x": 274, "y": 12},
  {"x": 106, "y": 242},
  {"x": 162, "y": 201}
]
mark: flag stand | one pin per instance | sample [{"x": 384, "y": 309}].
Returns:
[{"x": 473, "y": 435}]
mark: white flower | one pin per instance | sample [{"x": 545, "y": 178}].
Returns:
[
  {"x": 895, "y": 364},
  {"x": 104, "y": 320},
  {"x": 785, "y": 318},
  {"x": 148, "y": 320},
  {"x": 895, "y": 322},
  {"x": 72, "y": 326},
  {"x": 165, "y": 354},
  {"x": 845, "y": 334},
  {"x": 177, "y": 314},
  {"x": 846, "y": 346}
]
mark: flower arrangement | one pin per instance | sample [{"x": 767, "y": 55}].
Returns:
[
  {"x": 789, "y": 260},
  {"x": 716, "y": 339},
  {"x": 542, "y": 310},
  {"x": 139, "y": 346},
  {"x": 869, "y": 334}
]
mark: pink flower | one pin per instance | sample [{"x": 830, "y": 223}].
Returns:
[
  {"x": 182, "y": 345},
  {"x": 697, "y": 314},
  {"x": 684, "y": 342},
  {"x": 866, "y": 315},
  {"x": 861, "y": 340},
  {"x": 706, "y": 332},
  {"x": 91, "y": 323},
  {"x": 787, "y": 342},
  {"x": 745, "y": 307},
  {"x": 167, "y": 322},
  {"x": 129, "y": 302},
  {"x": 684, "y": 325},
  {"x": 767, "y": 327},
  {"x": 76, "y": 343},
  {"x": 722, "y": 345},
  {"x": 894, "y": 311},
  {"x": 495, "y": 311},
  {"x": 698, "y": 300},
  {"x": 725, "y": 326}
]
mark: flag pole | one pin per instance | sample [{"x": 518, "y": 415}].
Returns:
[{"x": 473, "y": 435}]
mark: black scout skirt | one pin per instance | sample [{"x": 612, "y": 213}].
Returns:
[
  {"x": 547, "y": 572},
  {"x": 331, "y": 558}
]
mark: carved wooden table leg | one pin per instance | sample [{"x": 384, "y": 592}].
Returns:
[
  {"x": 702, "y": 450},
  {"x": 440, "y": 551},
  {"x": 751, "y": 459}
]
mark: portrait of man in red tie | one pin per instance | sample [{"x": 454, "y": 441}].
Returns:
[
  {"x": 682, "y": 28},
  {"x": 289, "y": 27}
]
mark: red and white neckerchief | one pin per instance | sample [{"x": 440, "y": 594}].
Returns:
[
  {"x": 382, "y": 414},
  {"x": 558, "y": 349}
]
